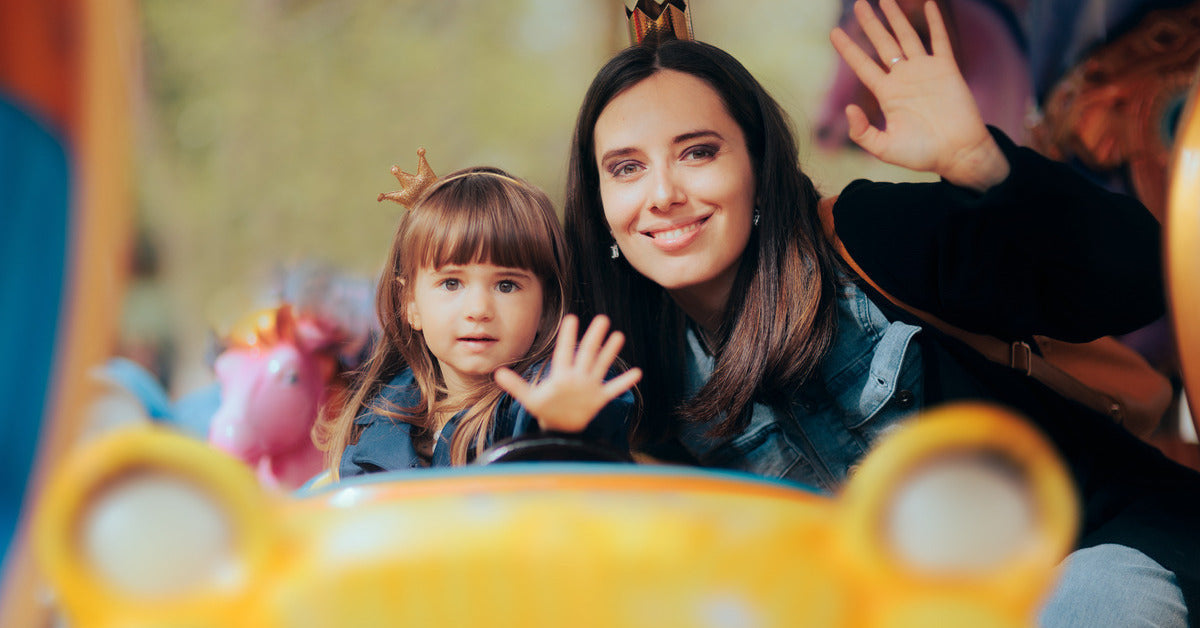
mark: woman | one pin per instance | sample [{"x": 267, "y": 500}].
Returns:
[{"x": 760, "y": 354}]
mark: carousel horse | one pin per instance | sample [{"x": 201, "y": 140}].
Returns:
[
  {"x": 279, "y": 371},
  {"x": 274, "y": 370}
]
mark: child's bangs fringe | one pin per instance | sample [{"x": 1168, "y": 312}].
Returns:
[{"x": 479, "y": 236}]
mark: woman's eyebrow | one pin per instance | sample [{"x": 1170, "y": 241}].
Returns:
[
  {"x": 617, "y": 152},
  {"x": 678, "y": 139},
  {"x": 687, "y": 137}
]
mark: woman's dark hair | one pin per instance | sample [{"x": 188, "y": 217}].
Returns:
[{"x": 780, "y": 317}]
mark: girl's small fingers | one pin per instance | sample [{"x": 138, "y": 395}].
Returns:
[
  {"x": 608, "y": 354},
  {"x": 592, "y": 338},
  {"x": 939, "y": 37},
  {"x": 880, "y": 38},
  {"x": 910, "y": 41},
  {"x": 616, "y": 386},
  {"x": 564, "y": 346},
  {"x": 513, "y": 384},
  {"x": 865, "y": 68}
]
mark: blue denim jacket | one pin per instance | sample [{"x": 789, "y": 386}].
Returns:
[
  {"x": 869, "y": 381},
  {"x": 386, "y": 444}
]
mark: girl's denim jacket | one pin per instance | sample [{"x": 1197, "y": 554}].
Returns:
[
  {"x": 868, "y": 382},
  {"x": 386, "y": 444}
]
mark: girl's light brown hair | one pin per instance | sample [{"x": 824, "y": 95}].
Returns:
[{"x": 475, "y": 215}]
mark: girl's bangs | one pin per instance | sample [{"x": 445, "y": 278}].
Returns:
[{"x": 480, "y": 234}]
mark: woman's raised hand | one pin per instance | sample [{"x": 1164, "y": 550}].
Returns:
[
  {"x": 932, "y": 123},
  {"x": 569, "y": 397}
]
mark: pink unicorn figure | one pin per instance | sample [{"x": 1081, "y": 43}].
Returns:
[{"x": 277, "y": 373}]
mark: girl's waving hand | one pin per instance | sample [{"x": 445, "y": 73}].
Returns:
[{"x": 569, "y": 397}]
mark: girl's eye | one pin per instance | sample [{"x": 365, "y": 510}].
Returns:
[
  {"x": 697, "y": 153},
  {"x": 507, "y": 286},
  {"x": 451, "y": 284}
]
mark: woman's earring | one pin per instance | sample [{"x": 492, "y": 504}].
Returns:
[
  {"x": 756, "y": 216},
  {"x": 614, "y": 251}
]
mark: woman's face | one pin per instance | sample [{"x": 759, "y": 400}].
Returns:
[{"x": 677, "y": 185}]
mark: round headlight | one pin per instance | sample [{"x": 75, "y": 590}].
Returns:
[
  {"x": 156, "y": 534},
  {"x": 961, "y": 512}
]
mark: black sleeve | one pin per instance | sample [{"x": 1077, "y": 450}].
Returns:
[
  {"x": 1044, "y": 252},
  {"x": 609, "y": 428},
  {"x": 611, "y": 425}
]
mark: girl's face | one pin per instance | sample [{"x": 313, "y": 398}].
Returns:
[
  {"x": 677, "y": 184},
  {"x": 475, "y": 318}
]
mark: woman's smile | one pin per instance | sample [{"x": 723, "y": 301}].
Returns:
[{"x": 676, "y": 237}]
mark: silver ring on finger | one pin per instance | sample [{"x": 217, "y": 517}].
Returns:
[{"x": 894, "y": 61}]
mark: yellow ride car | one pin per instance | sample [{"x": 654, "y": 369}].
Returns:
[{"x": 957, "y": 519}]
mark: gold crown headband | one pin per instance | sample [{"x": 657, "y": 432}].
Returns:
[
  {"x": 651, "y": 22},
  {"x": 414, "y": 186}
]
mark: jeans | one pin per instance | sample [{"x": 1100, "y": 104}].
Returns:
[{"x": 1114, "y": 585}]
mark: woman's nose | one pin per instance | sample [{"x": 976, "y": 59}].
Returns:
[{"x": 667, "y": 191}]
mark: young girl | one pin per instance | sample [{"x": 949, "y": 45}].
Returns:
[{"x": 474, "y": 292}]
